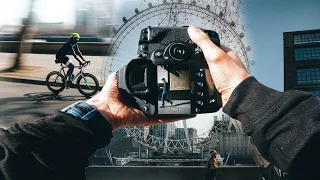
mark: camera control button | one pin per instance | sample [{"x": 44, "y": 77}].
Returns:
[
  {"x": 158, "y": 54},
  {"x": 200, "y": 84},
  {"x": 212, "y": 101},
  {"x": 144, "y": 47},
  {"x": 144, "y": 38},
  {"x": 200, "y": 103},
  {"x": 200, "y": 93},
  {"x": 198, "y": 49},
  {"x": 201, "y": 70},
  {"x": 199, "y": 74},
  {"x": 197, "y": 110},
  {"x": 145, "y": 108}
]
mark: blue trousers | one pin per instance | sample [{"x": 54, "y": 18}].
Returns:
[{"x": 164, "y": 98}]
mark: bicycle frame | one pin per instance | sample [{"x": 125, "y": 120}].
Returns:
[{"x": 75, "y": 77}]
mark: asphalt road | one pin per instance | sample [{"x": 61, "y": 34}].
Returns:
[{"x": 26, "y": 102}]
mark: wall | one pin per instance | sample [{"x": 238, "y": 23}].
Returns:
[{"x": 171, "y": 173}]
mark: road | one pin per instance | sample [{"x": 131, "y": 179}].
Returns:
[
  {"x": 26, "y": 102},
  {"x": 37, "y": 66}
]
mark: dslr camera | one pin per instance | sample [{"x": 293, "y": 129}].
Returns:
[{"x": 170, "y": 76}]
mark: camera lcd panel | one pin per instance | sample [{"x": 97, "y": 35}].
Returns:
[{"x": 174, "y": 90}]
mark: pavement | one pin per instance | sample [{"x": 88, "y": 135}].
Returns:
[
  {"x": 35, "y": 67},
  {"x": 28, "y": 102},
  {"x": 178, "y": 107}
]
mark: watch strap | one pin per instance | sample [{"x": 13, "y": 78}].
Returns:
[{"x": 82, "y": 110}]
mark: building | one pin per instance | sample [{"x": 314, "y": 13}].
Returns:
[
  {"x": 302, "y": 61},
  {"x": 161, "y": 129},
  {"x": 95, "y": 17},
  {"x": 180, "y": 133},
  {"x": 119, "y": 134},
  {"x": 234, "y": 143}
]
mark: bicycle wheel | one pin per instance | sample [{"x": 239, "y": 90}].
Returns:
[
  {"x": 55, "y": 82},
  {"x": 87, "y": 84}
]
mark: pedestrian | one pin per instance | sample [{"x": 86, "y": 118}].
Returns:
[
  {"x": 165, "y": 91},
  {"x": 212, "y": 165}
]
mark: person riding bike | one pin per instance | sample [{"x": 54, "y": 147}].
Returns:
[{"x": 61, "y": 55}]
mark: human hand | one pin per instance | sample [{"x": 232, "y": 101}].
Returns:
[
  {"x": 226, "y": 68},
  {"x": 109, "y": 104}
]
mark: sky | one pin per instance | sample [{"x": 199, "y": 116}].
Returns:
[
  {"x": 11, "y": 11},
  {"x": 264, "y": 21}
]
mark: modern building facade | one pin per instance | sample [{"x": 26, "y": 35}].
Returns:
[
  {"x": 181, "y": 134},
  {"x": 160, "y": 130},
  {"x": 302, "y": 61}
]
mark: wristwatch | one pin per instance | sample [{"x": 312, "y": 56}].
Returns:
[
  {"x": 83, "y": 111},
  {"x": 93, "y": 119}
]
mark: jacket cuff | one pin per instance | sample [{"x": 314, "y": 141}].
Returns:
[
  {"x": 249, "y": 100},
  {"x": 99, "y": 129}
]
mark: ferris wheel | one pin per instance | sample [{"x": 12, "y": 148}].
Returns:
[{"x": 221, "y": 16}]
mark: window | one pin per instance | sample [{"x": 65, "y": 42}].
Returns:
[
  {"x": 302, "y": 54},
  {"x": 306, "y": 38},
  {"x": 308, "y": 76}
]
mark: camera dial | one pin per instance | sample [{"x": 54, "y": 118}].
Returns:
[{"x": 178, "y": 51}]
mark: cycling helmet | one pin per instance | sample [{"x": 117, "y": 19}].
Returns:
[{"x": 75, "y": 35}]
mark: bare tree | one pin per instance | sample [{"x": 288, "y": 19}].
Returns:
[{"x": 22, "y": 37}]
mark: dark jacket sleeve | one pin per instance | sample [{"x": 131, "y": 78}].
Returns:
[
  {"x": 284, "y": 126},
  {"x": 55, "y": 147}
]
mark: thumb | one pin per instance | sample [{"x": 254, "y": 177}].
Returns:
[
  {"x": 210, "y": 50},
  {"x": 112, "y": 79},
  {"x": 110, "y": 85}
]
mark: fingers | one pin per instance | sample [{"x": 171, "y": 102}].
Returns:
[
  {"x": 112, "y": 80},
  {"x": 110, "y": 88},
  {"x": 233, "y": 55},
  {"x": 211, "y": 52},
  {"x": 225, "y": 48}
]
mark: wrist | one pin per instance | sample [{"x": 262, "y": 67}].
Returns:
[
  {"x": 100, "y": 105},
  {"x": 226, "y": 93}
]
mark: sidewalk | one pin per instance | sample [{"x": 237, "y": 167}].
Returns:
[{"x": 35, "y": 67}]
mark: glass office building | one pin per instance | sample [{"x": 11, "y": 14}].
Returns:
[{"x": 302, "y": 61}]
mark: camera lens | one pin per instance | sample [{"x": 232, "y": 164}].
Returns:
[{"x": 179, "y": 52}]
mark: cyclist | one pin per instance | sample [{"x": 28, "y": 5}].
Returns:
[{"x": 61, "y": 56}]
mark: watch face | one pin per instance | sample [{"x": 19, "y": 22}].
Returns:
[{"x": 79, "y": 109}]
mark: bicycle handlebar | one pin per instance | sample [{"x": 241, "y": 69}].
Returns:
[
  {"x": 80, "y": 66},
  {"x": 85, "y": 64}
]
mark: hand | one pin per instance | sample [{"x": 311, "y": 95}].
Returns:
[
  {"x": 108, "y": 103},
  {"x": 226, "y": 68}
]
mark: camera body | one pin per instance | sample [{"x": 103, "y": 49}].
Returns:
[{"x": 171, "y": 76}]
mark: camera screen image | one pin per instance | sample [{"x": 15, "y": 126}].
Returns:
[{"x": 174, "y": 89}]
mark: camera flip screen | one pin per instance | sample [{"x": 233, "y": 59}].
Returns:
[{"x": 174, "y": 91}]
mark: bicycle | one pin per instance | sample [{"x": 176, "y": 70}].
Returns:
[{"x": 85, "y": 81}]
